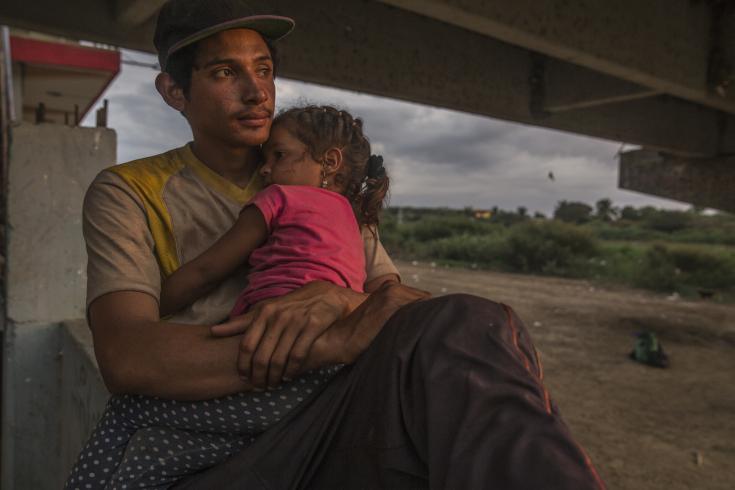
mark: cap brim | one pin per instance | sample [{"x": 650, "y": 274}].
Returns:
[{"x": 271, "y": 27}]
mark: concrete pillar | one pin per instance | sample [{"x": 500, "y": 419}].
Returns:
[
  {"x": 50, "y": 168},
  {"x": 703, "y": 182},
  {"x": 83, "y": 393}
]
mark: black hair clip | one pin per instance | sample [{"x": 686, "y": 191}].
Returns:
[{"x": 375, "y": 168}]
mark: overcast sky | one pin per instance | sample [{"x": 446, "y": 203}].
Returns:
[{"x": 435, "y": 157}]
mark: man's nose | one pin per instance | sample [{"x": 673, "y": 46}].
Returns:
[{"x": 253, "y": 90}]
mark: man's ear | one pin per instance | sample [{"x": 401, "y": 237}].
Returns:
[
  {"x": 171, "y": 92},
  {"x": 333, "y": 161}
]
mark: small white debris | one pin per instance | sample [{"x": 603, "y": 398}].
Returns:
[
  {"x": 673, "y": 297},
  {"x": 474, "y": 266},
  {"x": 415, "y": 263},
  {"x": 432, "y": 265},
  {"x": 536, "y": 324},
  {"x": 698, "y": 458},
  {"x": 444, "y": 290},
  {"x": 415, "y": 278}
]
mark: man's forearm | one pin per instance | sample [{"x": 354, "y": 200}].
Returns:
[
  {"x": 351, "y": 336},
  {"x": 143, "y": 356},
  {"x": 177, "y": 361}
]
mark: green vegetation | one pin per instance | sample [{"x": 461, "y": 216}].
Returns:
[{"x": 685, "y": 252}]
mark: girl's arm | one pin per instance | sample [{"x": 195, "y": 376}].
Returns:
[{"x": 196, "y": 278}]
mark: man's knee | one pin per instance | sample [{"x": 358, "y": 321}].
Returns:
[
  {"x": 457, "y": 316},
  {"x": 465, "y": 327}
]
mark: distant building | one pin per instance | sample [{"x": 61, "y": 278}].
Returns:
[{"x": 55, "y": 80}]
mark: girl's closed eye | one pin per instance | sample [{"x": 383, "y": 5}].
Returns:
[{"x": 272, "y": 155}]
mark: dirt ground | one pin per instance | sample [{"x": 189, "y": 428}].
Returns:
[{"x": 644, "y": 428}]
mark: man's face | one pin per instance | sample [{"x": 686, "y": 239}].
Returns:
[{"x": 232, "y": 95}]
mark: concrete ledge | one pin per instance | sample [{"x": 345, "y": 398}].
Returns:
[{"x": 83, "y": 393}]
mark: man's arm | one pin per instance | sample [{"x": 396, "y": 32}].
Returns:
[
  {"x": 317, "y": 325},
  {"x": 138, "y": 354},
  {"x": 351, "y": 336}
]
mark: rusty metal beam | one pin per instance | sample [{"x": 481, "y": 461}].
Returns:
[
  {"x": 136, "y": 12},
  {"x": 702, "y": 182},
  {"x": 375, "y": 48},
  {"x": 569, "y": 87},
  {"x": 89, "y": 20},
  {"x": 680, "y": 47},
  {"x": 386, "y": 51}
]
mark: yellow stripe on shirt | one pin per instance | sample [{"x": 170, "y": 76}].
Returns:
[{"x": 147, "y": 178}]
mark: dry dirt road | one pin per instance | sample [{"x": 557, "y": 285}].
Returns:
[{"x": 644, "y": 428}]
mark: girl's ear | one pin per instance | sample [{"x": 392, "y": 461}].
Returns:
[
  {"x": 171, "y": 92},
  {"x": 333, "y": 161}
]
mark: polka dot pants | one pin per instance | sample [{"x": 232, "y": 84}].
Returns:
[{"x": 146, "y": 442}]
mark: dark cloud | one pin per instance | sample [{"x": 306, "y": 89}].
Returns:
[
  {"x": 435, "y": 157},
  {"x": 433, "y": 136}
]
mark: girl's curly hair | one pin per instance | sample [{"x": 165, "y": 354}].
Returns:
[{"x": 362, "y": 178}]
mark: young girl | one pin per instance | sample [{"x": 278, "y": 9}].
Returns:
[
  {"x": 304, "y": 227},
  {"x": 323, "y": 185}
]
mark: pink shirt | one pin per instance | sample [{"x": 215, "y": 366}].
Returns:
[{"x": 312, "y": 236}]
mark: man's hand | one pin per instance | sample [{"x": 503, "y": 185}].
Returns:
[
  {"x": 279, "y": 333},
  {"x": 352, "y": 335}
]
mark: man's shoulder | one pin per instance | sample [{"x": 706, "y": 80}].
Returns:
[{"x": 148, "y": 172}]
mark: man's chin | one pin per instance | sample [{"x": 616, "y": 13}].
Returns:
[{"x": 252, "y": 138}]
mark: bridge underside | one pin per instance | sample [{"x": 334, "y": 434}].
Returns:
[{"x": 660, "y": 74}]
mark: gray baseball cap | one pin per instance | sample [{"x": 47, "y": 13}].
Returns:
[{"x": 184, "y": 22}]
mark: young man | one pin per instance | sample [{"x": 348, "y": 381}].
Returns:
[
  {"x": 144, "y": 218},
  {"x": 445, "y": 394}
]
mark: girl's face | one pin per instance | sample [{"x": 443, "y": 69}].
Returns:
[{"x": 288, "y": 161}]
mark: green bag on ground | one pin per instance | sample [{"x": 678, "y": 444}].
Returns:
[{"x": 648, "y": 350}]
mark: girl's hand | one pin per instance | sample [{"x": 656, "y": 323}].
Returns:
[{"x": 278, "y": 334}]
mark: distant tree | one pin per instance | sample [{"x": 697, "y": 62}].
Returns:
[
  {"x": 539, "y": 215},
  {"x": 630, "y": 213},
  {"x": 522, "y": 211},
  {"x": 572, "y": 212},
  {"x": 507, "y": 218},
  {"x": 605, "y": 211},
  {"x": 669, "y": 221},
  {"x": 647, "y": 212}
]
